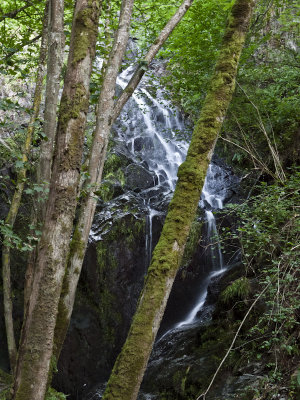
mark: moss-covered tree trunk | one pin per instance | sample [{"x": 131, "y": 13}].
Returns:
[
  {"x": 56, "y": 45},
  {"x": 87, "y": 208},
  {"x": 16, "y": 200},
  {"x": 129, "y": 368},
  {"x": 106, "y": 109},
  {"x": 36, "y": 344}
]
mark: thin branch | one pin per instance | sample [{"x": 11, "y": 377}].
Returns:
[
  {"x": 233, "y": 342},
  {"x": 11, "y": 53},
  {"x": 277, "y": 164},
  {"x": 14, "y": 13},
  {"x": 263, "y": 166},
  {"x": 153, "y": 50}
]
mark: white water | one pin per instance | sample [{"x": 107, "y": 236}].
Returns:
[
  {"x": 154, "y": 123},
  {"x": 166, "y": 153},
  {"x": 210, "y": 200}
]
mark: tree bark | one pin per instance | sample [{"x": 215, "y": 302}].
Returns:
[
  {"x": 36, "y": 344},
  {"x": 98, "y": 152},
  {"x": 16, "y": 200},
  {"x": 54, "y": 66},
  {"x": 129, "y": 368},
  {"x": 56, "y": 43},
  {"x": 99, "y": 145}
]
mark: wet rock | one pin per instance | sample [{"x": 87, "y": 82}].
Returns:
[
  {"x": 109, "y": 287},
  {"x": 143, "y": 144},
  {"x": 138, "y": 178}
]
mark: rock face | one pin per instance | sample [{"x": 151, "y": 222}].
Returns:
[
  {"x": 111, "y": 280},
  {"x": 139, "y": 178}
]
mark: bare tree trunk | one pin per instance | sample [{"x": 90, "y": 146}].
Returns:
[
  {"x": 56, "y": 44},
  {"x": 130, "y": 366},
  {"x": 16, "y": 200},
  {"x": 54, "y": 66},
  {"x": 98, "y": 152},
  {"x": 38, "y": 328}
]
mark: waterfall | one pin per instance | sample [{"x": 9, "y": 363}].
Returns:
[
  {"x": 150, "y": 137},
  {"x": 150, "y": 127}
]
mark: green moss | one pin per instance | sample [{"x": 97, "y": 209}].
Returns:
[
  {"x": 192, "y": 242},
  {"x": 77, "y": 245},
  {"x": 85, "y": 34},
  {"x": 73, "y": 104},
  {"x": 52, "y": 394},
  {"x": 74, "y": 107},
  {"x": 129, "y": 90},
  {"x": 238, "y": 290}
]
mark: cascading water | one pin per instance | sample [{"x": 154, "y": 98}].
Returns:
[
  {"x": 212, "y": 197},
  {"x": 150, "y": 137},
  {"x": 174, "y": 349}
]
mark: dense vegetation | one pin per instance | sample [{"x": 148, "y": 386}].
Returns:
[{"x": 260, "y": 139}]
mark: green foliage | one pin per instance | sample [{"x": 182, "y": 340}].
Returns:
[
  {"x": 5, "y": 385},
  {"x": 52, "y": 394},
  {"x": 16, "y": 34},
  {"x": 20, "y": 30},
  {"x": 192, "y": 242},
  {"x": 191, "y": 61},
  {"x": 269, "y": 76},
  {"x": 269, "y": 232},
  {"x": 239, "y": 289}
]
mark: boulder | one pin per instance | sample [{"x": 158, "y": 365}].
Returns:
[{"x": 137, "y": 178}]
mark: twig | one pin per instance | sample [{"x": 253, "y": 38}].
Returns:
[
  {"x": 203, "y": 395},
  {"x": 11, "y": 53},
  {"x": 277, "y": 164},
  {"x": 263, "y": 166},
  {"x": 14, "y": 13}
]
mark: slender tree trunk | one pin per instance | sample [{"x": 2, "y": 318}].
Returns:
[
  {"x": 36, "y": 344},
  {"x": 98, "y": 152},
  {"x": 129, "y": 368},
  {"x": 140, "y": 71},
  {"x": 54, "y": 66},
  {"x": 56, "y": 44},
  {"x": 16, "y": 200}
]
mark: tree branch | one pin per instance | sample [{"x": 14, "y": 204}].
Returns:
[
  {"x": 141, "y": 69},
  {"x": 11, "y": 53},
  {"x": 14, "y": 13}
]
